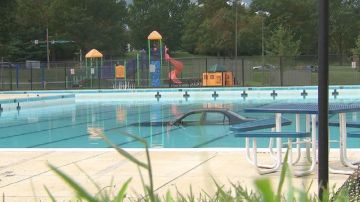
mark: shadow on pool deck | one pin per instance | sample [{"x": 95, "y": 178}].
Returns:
[{"x": 23, "y": 174}]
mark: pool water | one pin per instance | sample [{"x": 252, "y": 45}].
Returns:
[{"x": 76, "y": 125}]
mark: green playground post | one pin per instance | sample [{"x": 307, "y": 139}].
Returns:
[
  {"x": 101, "y": 65},
  {"x": 98, "y": 72},
  {"x": 86, "y": 68},
  {"x": 91, "y": 75}
]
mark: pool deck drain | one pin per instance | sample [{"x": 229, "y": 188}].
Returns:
[{"x": 24, "y": 173}]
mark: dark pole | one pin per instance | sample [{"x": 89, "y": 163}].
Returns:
[
  {"x": 11, "y": 78},
  {"x": 43, "y": 77},
  {"x": 17, "y": 76},
  {"x": 323, "y": 98},
  {"x": 206, "y": 71},
  {"x": 65, "y": 75},
  {"x": 281, "y": 72},
  {"x": 31, "y": 77}
]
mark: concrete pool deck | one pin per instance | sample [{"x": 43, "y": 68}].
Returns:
[
  {"x": 24, "y": 173},
  {"x": 4, "y": 96}
]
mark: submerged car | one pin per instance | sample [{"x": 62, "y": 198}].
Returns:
[{"x": 210, "y": 117}]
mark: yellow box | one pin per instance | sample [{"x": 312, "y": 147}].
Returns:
[
  {"x": 229, "y": 79},
  {"x": 218, "y": 79},
  {"x": 120, "y": 72}
]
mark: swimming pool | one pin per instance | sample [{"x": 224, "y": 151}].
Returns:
[{"x": 73, "y": 125}]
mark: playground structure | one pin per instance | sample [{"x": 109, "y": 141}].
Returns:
[
  {"x": 155, "y": 61},
  {"x": 155, "y": 58},
  {"x": 93, "y": 65},
  {"x": 147, "y": 66},
  {"x": 145, "y": 69}
]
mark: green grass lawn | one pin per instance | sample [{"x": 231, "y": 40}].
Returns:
[{"x": 193, "y": 68}]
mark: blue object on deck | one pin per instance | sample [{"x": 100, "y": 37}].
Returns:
[
  {"x": 258, "y": 124},
  {"x": 353, "y": 124},
  {"x": 273, "y": 134},
  {"x": 303, "y": 108}
]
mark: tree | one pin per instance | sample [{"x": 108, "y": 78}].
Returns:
[
  {"x": 250, "y": 34},
  {"x": 200, "y": 27},
  {"x": 214, "y": 33},
  {"x": 32, "y": 20},
  {"x": 356, "y": 50},
  {"x": 344, "y": 25},
  {"x": 72, "y": 25},
  {"x": 191, "y": 29},
  {"x": 282, "y": 43},
  {"x": 164, "y": 16},
  {"x": 217, "y": 35},
  {"x": 300, "y": 16},
  {"x": 7, "y": 9},
  {"x": 91, "y": 24}
]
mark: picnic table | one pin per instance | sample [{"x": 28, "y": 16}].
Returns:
[{"x": 311, "y": 110}]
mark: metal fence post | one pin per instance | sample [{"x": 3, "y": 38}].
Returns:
[
  {"x": 99, "y": 70},
  {"x": 281, "y": 72},
  {"x": 43, "y": 77},
  {"x": 17, "y": 76},
  {"x": 138, "y": 70},
  {"x": 11, "y": 78},
  {"x": 65, "y": 77},
  {"x": 31, "y": 77},
  {"x": 206, "y": 71},
  {"x": 242, "y": 72},
  {"x": 2, "y": 75}
]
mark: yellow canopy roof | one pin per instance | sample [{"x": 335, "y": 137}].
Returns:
[
  {"x": 154, "y": 35},
  {"x": 94, "y": 54}
]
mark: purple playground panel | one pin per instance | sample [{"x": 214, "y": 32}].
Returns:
[
  {"x": 108, "y": 68},
  {"x": 108, "y": 72}
]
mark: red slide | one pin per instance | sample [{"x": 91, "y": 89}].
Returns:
[{"x": 178, "y": 66}]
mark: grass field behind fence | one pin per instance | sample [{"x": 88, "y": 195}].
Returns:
[{"x": 289, "y": 72}]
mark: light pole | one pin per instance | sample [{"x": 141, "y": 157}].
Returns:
[{"x": 262, "y": 14}]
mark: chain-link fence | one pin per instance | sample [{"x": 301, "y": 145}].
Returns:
[{"x": 246, "y": 71}]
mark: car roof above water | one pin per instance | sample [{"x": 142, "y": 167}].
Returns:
[
  {"x": 210, "y": 110},
  {"x": 221, "y": 110}
]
